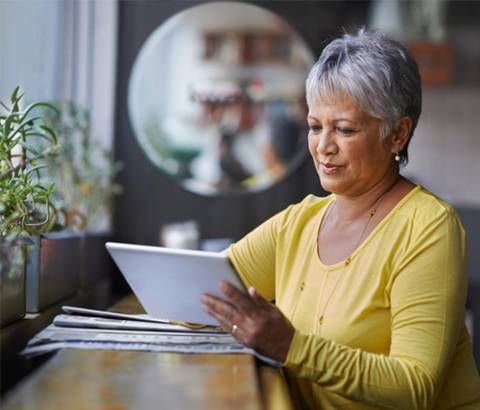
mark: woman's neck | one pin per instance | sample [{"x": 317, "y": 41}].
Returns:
[{"x": 353, "y": 208}]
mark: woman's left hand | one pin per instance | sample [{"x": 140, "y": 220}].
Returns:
[{"x": 254, "y": 322}]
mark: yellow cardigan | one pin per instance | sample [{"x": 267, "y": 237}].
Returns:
[{"x": 392, "y": 334}]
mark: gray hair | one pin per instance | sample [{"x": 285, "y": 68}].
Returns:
[{"x": 377, "y": 73}]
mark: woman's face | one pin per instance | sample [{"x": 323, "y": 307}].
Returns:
[{"x": 345, "y": 144}]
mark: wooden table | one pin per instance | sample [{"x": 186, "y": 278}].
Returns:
[{"x": 122, "y": 380}]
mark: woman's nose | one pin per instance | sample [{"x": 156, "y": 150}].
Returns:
[{"x": 326, "y": 144}]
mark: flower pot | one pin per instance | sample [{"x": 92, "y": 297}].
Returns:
[
  {"x": 96, "y": 262},
  {"x": 53, "y": 269},
  {"x": 12, "y": 281}
]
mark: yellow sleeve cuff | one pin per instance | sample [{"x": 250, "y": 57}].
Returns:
[{"x": 296, "y": 351}]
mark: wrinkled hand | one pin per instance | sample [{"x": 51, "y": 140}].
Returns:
[{"x": 259, "y": 324}]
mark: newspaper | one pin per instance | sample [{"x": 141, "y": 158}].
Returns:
[
  {"x": 54, "y": 333},
  {"x": 35, "y": 350},
  {"x": 83, "y": 332},
  {"x": 121, "y": 324}
]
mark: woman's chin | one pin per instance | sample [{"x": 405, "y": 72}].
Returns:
[{"x": 330, "y": 184}]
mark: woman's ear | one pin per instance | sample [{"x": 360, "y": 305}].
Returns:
[{"x": 401, "y": 133}]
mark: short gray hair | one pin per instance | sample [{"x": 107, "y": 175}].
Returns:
[{"x": 377, "y": 73}]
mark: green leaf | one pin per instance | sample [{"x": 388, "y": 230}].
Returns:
[
  {"x": 7, "y": 124},
  {"x": 38, "y": 104},
  {"x": 15, "y": 103},
  {"x": 14, "y": 142},
  {"x": 14, "y": 94},
  {"x": 18, "y": 179},
  {"x": 30, "y": 122},
  {"x": 51, "y": 132},
  {"x": 28, "y": 147},
  {"x": 19, "y": 97},
  {"x": 36, "y": 134},
  {"x": 32, "y": 170}
]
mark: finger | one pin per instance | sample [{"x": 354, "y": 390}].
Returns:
[
  {"x": 218, "y": 317},
  {"x": 258, "y": 299},
  {"x": 226, "y": 324},
  {"x": 239, "y": 300},
  {"x": 221, "y": 307}
]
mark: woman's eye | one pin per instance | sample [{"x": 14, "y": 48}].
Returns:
[
  {"x": 345, "y": 131},
  {"x": 315, "y": 128}
]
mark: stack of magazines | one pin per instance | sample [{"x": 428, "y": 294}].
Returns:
[{"x": 82, "y": 328}]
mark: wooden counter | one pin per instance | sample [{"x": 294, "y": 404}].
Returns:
[{"x": 98, "y": 379}]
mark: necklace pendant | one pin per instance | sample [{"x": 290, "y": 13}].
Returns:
[
  {"x": 373, "y": 212},
  {"x": 320, "y": 320},
  {"x": 347, "y": 261}
]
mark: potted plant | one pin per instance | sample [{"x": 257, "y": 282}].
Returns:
[
  {"x": 51, "y": 150},
  {"x": 25, "y": 206}
]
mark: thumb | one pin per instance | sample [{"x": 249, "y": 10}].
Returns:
[{"x": 258, "y": 299}]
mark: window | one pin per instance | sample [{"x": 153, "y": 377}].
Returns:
[{"x": 63, "y": 50}]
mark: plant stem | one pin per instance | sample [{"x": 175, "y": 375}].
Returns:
[
  {"x": 24, "y": 151},
  {"x": 47, "y": 219},
  {"x": 23, "y": 164}
]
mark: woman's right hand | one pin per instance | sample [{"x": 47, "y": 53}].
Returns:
[{"x": 255, "y": 322}]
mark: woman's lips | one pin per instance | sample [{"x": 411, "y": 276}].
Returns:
[{"x": 330, "y": 168}]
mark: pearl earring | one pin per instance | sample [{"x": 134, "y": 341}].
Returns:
[{"x": 397, "y": 157}]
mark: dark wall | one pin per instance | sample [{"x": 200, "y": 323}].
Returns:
[{"x": 151, "y": 198}]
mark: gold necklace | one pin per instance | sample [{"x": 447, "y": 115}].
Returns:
[{"x": 376, "y": 204}]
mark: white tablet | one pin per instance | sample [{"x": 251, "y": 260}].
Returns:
[{"x": 169, "y": 282}]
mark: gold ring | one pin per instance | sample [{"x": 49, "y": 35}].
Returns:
[{"x": 234, "y": 329}]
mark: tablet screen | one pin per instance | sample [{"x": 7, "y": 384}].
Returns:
[{"x": 169, "y": 282}]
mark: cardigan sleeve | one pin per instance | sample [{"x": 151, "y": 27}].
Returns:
[
  {"x": 427, "y": 291},
  {"x": 254, "y": 256}
]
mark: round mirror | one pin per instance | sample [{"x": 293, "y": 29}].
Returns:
[{"x": 216, "y": 98}]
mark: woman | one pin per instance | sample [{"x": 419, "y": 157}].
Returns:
[{"x": 369, "y": 283}]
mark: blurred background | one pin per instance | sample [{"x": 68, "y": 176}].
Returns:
[
  {"x": 189, "y": 106},
  {"x": 202, "y": 103}
]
